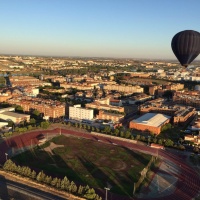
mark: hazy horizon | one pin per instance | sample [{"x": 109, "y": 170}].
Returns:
[{"x": 115, "y": 29}]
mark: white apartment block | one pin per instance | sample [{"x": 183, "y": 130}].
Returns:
[{"x": 76, "y": 112}]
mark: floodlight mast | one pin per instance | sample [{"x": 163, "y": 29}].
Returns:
[
  {"x": 106, "y": 188},
  {"x": 6, "y": 156}
]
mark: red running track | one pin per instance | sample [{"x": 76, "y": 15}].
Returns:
[{"x": 187, "y": 186}]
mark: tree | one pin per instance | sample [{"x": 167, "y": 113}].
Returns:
[
  {"x": 166, "y": 127},
  {"x": 160, "y": 141},
  {"x": 80, "y": 190},
  {"x": 36, "y": 113},
  {"x": 73, "y": 187},
  {"x": 44, "y": 125},
  {"x": 18, "y": 109},
  {"x": 8, "y": 165},
  {"x": 32, "y": 121},
  {"x": 40, "y": 177},
  {"x": 97, "y": 197},
  {"x": 127, "y": 134},
  {"x": 88, "y": 127},
  {"x": 132, "y": 137},
  {"x": 97, "y": 130},
  {"x": 143, "y": 138},
  {"x": 58, "y": 183},
  {"x": 48, "y": 180},
  {"x": 137, "y": 137},
  {"x": 122, "y": 134},
  {"x": 80, "y": 126},
  {"x": 90, "y": 194},
  {"x": 54, "y": 181},
  {"x": 155, "y": 140},
  {"x": 168, "y": 94},
  {"x": 181, "y": 147},
  {"x": 181, "y": 140},
  {"x": 65, "y": 183},
  {"x": 33, "y": 174},
  {"x": 116, "y": 132},
  {"x": 29, "y": 127},
  {"x": 17, "y": 129},
  {"x": 11, "y": 123},
  {"x": 76, "y": 125},
  {"x": 196, "y": 149},
  {"x": 28, "y": 172},
  {"x": 107, "y": 129},
  {"x": 19, "y": 169},
  {"x": 169, "y": 143}
]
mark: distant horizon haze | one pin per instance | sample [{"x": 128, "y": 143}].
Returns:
[{"x": 114, "y": 29}]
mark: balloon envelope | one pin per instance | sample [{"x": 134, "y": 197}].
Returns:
[{"x": 186, "y": 46}]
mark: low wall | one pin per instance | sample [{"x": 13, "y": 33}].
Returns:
[{"x": 114, "y": 137}]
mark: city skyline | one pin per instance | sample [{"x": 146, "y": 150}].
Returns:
[{"x": 118, "y": 29}]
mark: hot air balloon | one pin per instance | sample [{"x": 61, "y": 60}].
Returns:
[{"x": 186, "y": 46}]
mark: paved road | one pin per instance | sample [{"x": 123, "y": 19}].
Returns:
[
  {"x": 187, "y": 185},
  {"x": 7, "y": 188}
]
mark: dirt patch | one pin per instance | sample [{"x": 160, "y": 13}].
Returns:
[
  {"x": 51, "y": 147},
  {"x": 120, "y": 166},
  {"x": 117, "y": 165}
]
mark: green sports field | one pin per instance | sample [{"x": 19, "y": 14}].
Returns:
[{"x": 87, "y": 162}]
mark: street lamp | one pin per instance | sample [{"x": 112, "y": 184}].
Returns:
[
  {"x": 6, "y": 156},
  {"x": 106, "y": 188}
]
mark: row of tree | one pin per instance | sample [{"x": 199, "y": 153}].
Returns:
[
  {"x": 120, "y": 132},
  {"x": 61, "y": 184}
]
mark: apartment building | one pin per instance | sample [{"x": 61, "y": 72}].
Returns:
[
  {"x": 180, "y": 114},
  {"x": 124, "y": 88},
  {"x": 159, "y": 90},
  {"x": 153, "y": 89},
  {"x": 48, "y": 108},
  {"x": 26, "y": 81},
  {"x": 174, "y": 87},
  {"x": 53, "y": 78},
  {"x": 110, "y": 116},
  {"x": 76, "y": 112},
  {"x": 5, "y": 96},
  {"x": 78, "y": 86},
  {"x": 115, "y": 102},
  {"x": 97, "y": 105},
  {"x": 193, "y": 138},
  {"x": 189, "y": 98}
]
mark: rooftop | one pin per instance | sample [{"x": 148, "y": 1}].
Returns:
[
  {"x": 152, "y": 119},
  {"x": 13, "y": 114}
]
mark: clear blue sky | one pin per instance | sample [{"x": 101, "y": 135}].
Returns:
[{"x": 102, "y": 28}]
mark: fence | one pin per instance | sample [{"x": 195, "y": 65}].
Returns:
[{"x": 143, "y": 175}]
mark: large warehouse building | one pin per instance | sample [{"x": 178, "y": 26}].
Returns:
[
  {"x": 151, "y": 122},
  {"x": 15, "y": 117}
]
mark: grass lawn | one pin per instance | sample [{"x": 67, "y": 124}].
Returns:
[{"x": 88, "y": 162}]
